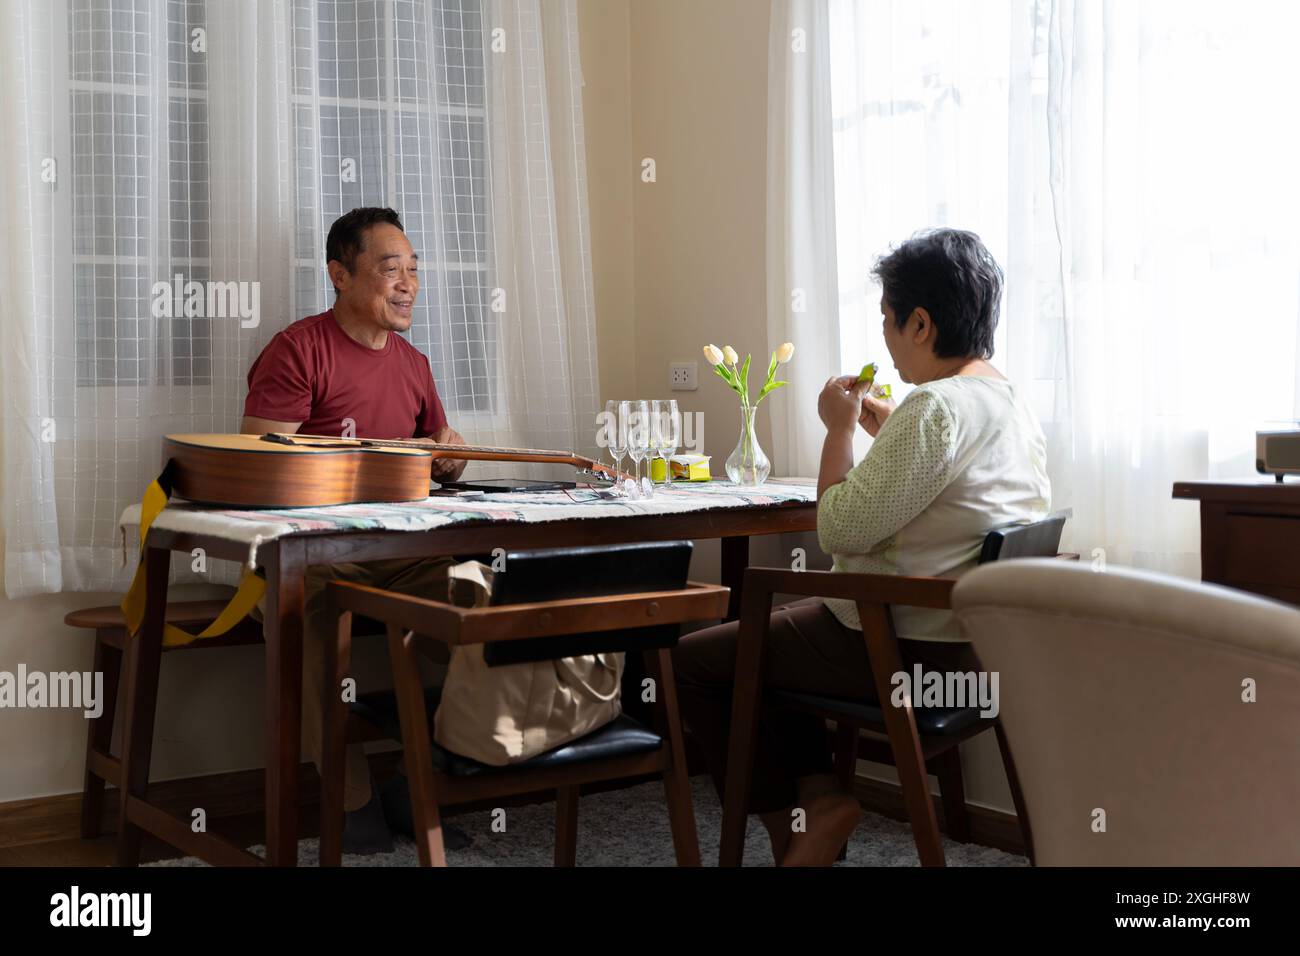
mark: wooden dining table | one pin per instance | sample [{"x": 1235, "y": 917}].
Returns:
[{"x": 285, "y": 561}]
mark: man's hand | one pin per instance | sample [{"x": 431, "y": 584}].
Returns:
[
  {"x": 840, "y": 403},
  {"x": 447, "y": 469},
  {"x": 265, "y": 426}
]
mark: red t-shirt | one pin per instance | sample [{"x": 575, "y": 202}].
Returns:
[{"x": 313, "y": 373}]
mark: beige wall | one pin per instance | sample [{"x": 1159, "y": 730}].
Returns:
[
  {"x": 209, "y": 707},
  {"x": 677, "y": 263},
  {"x": 605, "y": 46},
  {"x": 699, "y": 110}
]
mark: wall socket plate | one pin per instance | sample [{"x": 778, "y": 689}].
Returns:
[{"x": 683, "y": 376}]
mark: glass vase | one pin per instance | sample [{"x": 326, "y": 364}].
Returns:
[{"x": 747, "y": 465}]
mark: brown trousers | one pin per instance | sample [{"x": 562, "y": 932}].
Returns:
[{"x": 807, "y": 650}]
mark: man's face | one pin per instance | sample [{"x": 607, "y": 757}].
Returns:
[{"x": 384, "y": 281}]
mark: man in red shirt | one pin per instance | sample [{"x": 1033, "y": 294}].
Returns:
[
  {"x": 345, "y": 373},
  {"x": 342, "y": 372}
]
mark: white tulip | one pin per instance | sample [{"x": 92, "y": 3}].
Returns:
[
  {"x": 713, "y": 354},
  {"x": 785, "y": 353},
  {"x": 730, "y": 355}
]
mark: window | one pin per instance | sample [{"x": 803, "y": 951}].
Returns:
[
  {"x": 116, "y": 236},
  {"x": 387, "y": 109}
]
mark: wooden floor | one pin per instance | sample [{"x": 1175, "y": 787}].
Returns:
[
  {"x": 989, "y": 827},
  {"x": 245, "y": 830}
]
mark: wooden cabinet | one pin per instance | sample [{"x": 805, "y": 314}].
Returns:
[{"x": 1250, "y": 534}]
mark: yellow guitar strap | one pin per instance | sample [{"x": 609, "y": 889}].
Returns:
[{"x": 250, "y": 591}]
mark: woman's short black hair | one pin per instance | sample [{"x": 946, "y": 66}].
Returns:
[
  {"x": 950, "y": 274},
  {"x": 345, "y": 237}
]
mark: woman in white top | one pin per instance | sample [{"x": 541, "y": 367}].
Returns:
[{"x": 960, "y": 456}]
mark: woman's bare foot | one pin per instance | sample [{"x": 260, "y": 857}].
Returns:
[
  {"x": 777, "y": 824},
  {"x": 830, "y": 817}
]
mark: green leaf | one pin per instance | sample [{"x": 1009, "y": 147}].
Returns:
[
  {"x": 770, "y": 387},
  {"x": 771, "y": 370},
  {"x": 727, "y": 376},
  {"x": 744, "y": 374}
]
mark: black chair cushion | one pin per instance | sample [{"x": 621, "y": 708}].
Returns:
[
  {"x": 1038, "y": 539},
  {"x": 621, "y": 737},
  {"x": 935, "y": 721},
  {"x": 559, "y": 574}
]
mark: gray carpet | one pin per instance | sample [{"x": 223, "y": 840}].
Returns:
[{"x": 630, "y": 828}]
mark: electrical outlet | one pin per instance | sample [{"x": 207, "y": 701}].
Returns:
[{"x": 683, "y": 376}]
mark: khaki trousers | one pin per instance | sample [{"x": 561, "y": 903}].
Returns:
[{"x": 421, "y": 577}]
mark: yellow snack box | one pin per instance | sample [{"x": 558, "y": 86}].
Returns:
[{"x": 684, "y": 468}]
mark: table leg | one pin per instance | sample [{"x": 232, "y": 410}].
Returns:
[
  {"x": 735, "y": 558},
  {"x": 334, "y": 716},
  {"x": 746, "y": 702},
  {"x": 285, "y": 588}
]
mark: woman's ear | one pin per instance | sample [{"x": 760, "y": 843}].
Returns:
[{"x": 924, "y": 330}]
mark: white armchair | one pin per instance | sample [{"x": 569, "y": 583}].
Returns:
[{"x": 1166, "y": 711}]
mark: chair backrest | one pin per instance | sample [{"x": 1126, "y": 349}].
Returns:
[
  {"x": 1024, "y": 539},
  {"x": 1131, "y": 694},
  {"x": 556, "y": 574}
]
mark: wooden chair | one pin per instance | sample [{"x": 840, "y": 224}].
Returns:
[
  {"x": 111, "y": 643},
  {"x": 913, "y": 740},
  {"x": 546, "y": 605}
]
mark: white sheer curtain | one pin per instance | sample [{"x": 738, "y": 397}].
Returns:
[
  {"x": 802, "y": 285},
  {"x": 1164, "y": 145},
  {"x": 217, "y": 141},
  {"x": 1132, "y": 167}
]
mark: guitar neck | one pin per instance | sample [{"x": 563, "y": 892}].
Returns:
[{"x": 464, "y": 452}]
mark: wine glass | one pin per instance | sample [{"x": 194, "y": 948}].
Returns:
[
  {"x": 667, "y": 433},
  {"x": 638, "y": 440},
  {"x": 626, "y": 427},
  {"x": 616, "y": 430}
]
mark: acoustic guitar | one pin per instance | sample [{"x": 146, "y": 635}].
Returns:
[{"x": 312, "y": 471}]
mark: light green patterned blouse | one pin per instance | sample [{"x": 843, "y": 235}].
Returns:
[{"x": 959, "y": 457}]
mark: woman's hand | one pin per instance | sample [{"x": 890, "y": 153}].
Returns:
[
  {"x": 840, "y": 403},
  {"x": 874, "y": 413},
  {"x": 871, "y": 411}
]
